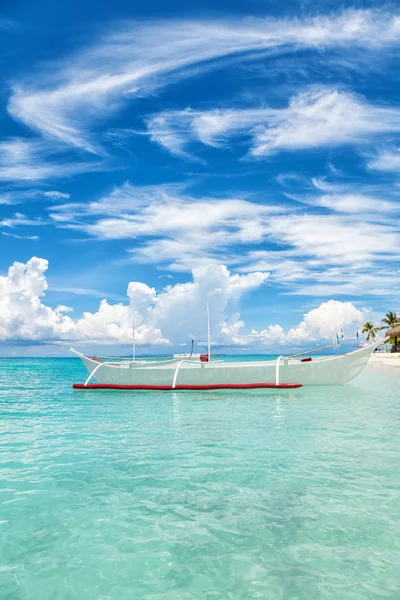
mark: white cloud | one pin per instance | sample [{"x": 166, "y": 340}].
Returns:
[
  {"x": 283, "y": 265},
  {"x": 136, "y": 58},
  {"x": 324, "y": 117},
  {"x": 321, "y": 322},
  {"x": 347, "y": 284},
  {"x": 18, "y": 220},
  {"x": 158, "y": 316},
  {"x": 335, "y": 239},
  {"x": 21, "y": 237},
  {"x": 351, "y": 232},
  {"x": 26, "y": 160},
  {"x": 306, "y": 275},
  {"x": 56, "y": 195},
  {"x": 61, "y": 308},
  {"x": 19, "y": 196},
  {"x": 61, "y": 101},
  {"x": 354, "y": 203},
  {"x": 318, "y": 324},
  {"x": 21, "y": 160},
  {"x": 386, "y": 160},
  {"x": 6, "y": 199},
  {"x": 23, "y": 315},
  {"x": 316, "y": 117},
  {"x": 171, "y": 225},
  {"x": 174, "y": 315}
]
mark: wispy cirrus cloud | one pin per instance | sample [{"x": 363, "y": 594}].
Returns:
[
  {"x": 316, "y": 117},
  {"x": 19, "y": 196},
  {"x": 168, "y": 224},
  {"x": 336, "y": 239},
  {"x": 26, "y": 160},
  {"x": 19, "y": 219},
  {"x": 308, "y": 275},
  {"x": 135, "y": 58},
  {"x": 20, "y": 237}
]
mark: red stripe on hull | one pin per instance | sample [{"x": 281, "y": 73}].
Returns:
[{"x": 217, "y": 386}]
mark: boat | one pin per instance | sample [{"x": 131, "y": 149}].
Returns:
[{"x": 199, "y": 372}]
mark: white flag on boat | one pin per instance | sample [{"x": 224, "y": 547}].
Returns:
[{"x": 334, "y": 341}]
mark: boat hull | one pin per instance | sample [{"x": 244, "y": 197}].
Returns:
[{"x": 178, "y": 374}]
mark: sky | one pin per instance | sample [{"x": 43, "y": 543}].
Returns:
[{"x": 155, "y": 157}]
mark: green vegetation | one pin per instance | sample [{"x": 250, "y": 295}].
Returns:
[
  {"x": 390, "y": 320},
  {"x": 370, "y": 330}
]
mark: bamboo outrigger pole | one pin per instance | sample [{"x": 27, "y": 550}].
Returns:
[{"x": 311, "y": 351}]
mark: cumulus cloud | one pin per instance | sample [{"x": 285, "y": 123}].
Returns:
[
  {"x": 314, "y": 118},
  {"x": 158, "y": 316},
  {"x": 318, "y": 324},
  {"x": 24, "y": 316},
  {"x": 173, "y": 315}
]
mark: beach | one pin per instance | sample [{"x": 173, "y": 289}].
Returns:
[{"x": 385, "y": 360}]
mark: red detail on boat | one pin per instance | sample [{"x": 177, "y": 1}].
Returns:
[
  {"x": 216, "y": 386},
  {"x": 306, "y": 359},
  {"x": 95, "y": 359},
  {"x": 92, "y": 358},
  {"x": 203, "y": 357}
]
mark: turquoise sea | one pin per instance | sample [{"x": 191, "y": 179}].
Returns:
[{"x": 181, "y": 496}]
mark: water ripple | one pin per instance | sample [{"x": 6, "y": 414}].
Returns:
[{"x": 197, "y": 496}]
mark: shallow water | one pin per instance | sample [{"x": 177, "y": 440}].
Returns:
[{"x": 217, "y": 495}]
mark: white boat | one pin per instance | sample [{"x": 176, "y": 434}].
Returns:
[{"x": 199, "y": 373}]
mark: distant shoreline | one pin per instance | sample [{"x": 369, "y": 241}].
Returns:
[{"x": 385, "y": 360}]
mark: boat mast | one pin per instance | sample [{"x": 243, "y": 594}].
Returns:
[
  {"x": 208, "y": 333},
  {"x": 133, "y": 338}
]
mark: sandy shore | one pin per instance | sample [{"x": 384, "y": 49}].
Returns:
[{"x": 383, "y": 360}]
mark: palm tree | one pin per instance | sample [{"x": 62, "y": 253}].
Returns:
[
  {"x": 390, "y": 320},
  {"x": 370, "y": 330}
]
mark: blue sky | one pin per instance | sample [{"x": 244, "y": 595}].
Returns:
[{"x": 245, "y": 152}]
